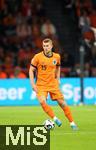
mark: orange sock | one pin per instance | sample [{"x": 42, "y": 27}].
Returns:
[
  {"x": 47, "y": 109},
  {"x": 67, "y": 113}
]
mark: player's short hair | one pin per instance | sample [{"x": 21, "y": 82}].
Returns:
[{"x": 47, "y": 40}]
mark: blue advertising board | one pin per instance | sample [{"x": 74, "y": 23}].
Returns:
[
  {"x": 18, "y": 92},
  {"x": 90, "y": 90}
]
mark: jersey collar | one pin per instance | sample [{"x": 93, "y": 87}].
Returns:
[{"x": 48, "y": 56}]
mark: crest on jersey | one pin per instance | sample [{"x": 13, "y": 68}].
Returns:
[{"x": 54, "y": 62}]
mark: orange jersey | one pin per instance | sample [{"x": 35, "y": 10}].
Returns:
[{"x": 46, "y": 69}]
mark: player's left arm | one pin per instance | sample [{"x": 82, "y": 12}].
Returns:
[
  {"x": 58, "y": 68},
  {"x": 58, "y": 72}
]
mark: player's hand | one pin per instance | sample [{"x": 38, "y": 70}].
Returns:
[
  {"x": 35, "y": 88},
  {"x": 58, "y": 80}
]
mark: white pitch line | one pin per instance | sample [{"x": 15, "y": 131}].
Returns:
[
  {"x": 79, "y": 110},
  {"x": 75, "y": 132}
]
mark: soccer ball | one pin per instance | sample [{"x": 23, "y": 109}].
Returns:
[{"x": 49, "y": 124}]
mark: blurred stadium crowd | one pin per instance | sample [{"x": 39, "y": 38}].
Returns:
[{"x": 23, "y": 25}]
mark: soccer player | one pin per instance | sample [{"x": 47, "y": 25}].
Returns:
[{"x": 47, "y": 67}]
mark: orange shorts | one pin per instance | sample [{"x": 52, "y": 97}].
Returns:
[{"x": 54, "y": 94}]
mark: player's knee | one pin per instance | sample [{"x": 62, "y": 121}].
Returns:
[
  {"x": 62, "y": 103},
  {"x": 42, "y": 102},
  {"x": 45, "y": 106},
  {"x": 41, "y": 99}
]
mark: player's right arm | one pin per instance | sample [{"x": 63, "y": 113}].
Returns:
[
  {"x": 31, "y": 76},
  {"x": 32, "y": 69}
]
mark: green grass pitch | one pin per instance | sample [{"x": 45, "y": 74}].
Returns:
[{"x": 62, "y": 138}]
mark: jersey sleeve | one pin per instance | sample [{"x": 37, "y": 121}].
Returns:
[
  {"x": 34, "y": 61},
  {"x": 58, "y": 60}
]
